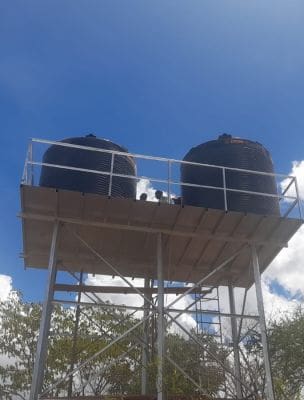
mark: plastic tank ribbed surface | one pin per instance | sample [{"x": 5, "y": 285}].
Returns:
[
  {"x": 236, "y": 153},
  {"x": 88, "y": 182}
]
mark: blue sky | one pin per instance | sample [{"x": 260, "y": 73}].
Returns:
[{"x": 157, "y": 77}]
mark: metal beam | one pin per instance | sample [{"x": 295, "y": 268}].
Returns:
[
  {"x": 75, "y": 336},
  {"x": 242, "y": 312},
  {"x": 213, "y": 312},
  {"x": 234, "y": 331},
  {"x": 136, "y": 228},
  {"x": 259, "y": 295},
  {"x": 147, "y": 157},
  {"x": 171, "y": 310},
  {"x": 160, "y": 320},
  {"x": 60, "y": 287},
  {"x": 145, "y": 344},
  {"x": 201, "y": 281},
  {"x": 41, "y": 351},
  {"x": 111, "y": 266}
]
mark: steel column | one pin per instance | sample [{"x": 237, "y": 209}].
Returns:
[
  {"x": 234, "y": 331},
  {"x": 41, "y": 351},
  {"x": 75, "y": 336},
  {"x": 145, "y": 345},
  {"x": 259, "y": 295},
  {"x": 160, "y": 321}
]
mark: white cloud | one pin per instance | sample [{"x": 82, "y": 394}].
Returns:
[
  {"x": 274, "y": 303},
  {"x": 125, "y": 299},
  {"x": 5, "y": 290},
  {"x": 297, "y": 171},
  {"x": 144, "y": 186},
  {"x": 288, "y": 268},
  {"x": 134, "y": 300},
  {"x": 5, "y": 286}
]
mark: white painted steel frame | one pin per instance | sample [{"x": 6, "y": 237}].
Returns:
[{"x": 160, "y": 311}]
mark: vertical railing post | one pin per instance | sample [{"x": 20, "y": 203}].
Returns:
[
  {"x": 31, "y": 181},
  {"x": 160, "y": 323},
  {"x": 111, "y": 174},
  {"x": 25, "y": 174},
  {"x": 259, "y": 296},
  {"x": 224, "y": 187},
  {"x": 298, "y": 197},
  {"x": 169, "y": 181}
]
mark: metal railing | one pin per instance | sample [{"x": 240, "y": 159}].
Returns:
[{"x": 286, "y": 184}]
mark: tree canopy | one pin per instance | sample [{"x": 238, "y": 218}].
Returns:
[
  {"x": 286, "y": 342},
  {"x": 117, "y": 370}
]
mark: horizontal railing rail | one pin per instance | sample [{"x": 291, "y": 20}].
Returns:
[
  {"x": 155, "y": 158},
  {"x": 171, "y": 184}
]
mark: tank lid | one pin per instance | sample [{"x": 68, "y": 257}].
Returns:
[{"x": 225, "y": 137}]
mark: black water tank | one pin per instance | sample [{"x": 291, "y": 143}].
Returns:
[
  {"x": 88, "y": 182},
  {"x": 236, "y": 153}
]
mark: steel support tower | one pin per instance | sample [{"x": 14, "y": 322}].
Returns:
[{"x": 208, "y": 249}]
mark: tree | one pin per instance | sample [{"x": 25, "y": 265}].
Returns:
[
  {"x": 196, "y": 362},
  {"x": 117, "y": 370},
  {"x": 286, "y": 349},
  {"x": 286, "y": 341},
  {"x": 19, "y": 323}
]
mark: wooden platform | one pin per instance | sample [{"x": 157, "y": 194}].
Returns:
[{"x": 196, "y": 240}]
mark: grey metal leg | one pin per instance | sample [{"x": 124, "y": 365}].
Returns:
[
  {"x": 145, "y": 346},
  {"x": 259, "y": 295},
  {"x": 75, "y": 334},
  {"x": 41, "y": 352},
  {"x": 160, "y": 324},
  {"x": 234, "y": 330}
]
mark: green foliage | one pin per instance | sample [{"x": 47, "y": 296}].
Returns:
[
  {"x": 109, "y": 372},
  {"x": 19, "y": 323},
  {"x": 286, "y": 348},
  {"x": 195, "y": 362},
  {"x": 286, "y": 340},
  {"x": 19, "y": 333}
]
